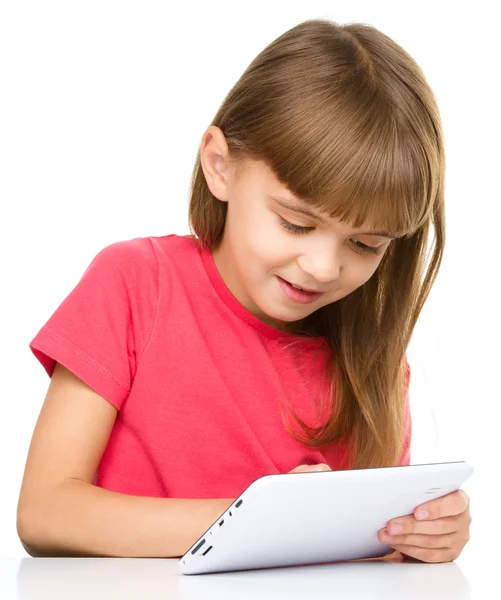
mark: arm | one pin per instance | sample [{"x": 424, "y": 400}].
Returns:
[{"x": 61, "y": 513}]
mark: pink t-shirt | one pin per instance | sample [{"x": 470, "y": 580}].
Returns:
[{"x": 199, "y": 382}]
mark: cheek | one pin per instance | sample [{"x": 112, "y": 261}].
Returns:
[
  {"x": 356, "y": 274},
  {"x": 267, "y": 247},
  {"x": 256, "y": 256},
  {"x": 369, "y": 269}
]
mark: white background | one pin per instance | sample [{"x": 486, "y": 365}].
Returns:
[{"x": 102, "y": 109}]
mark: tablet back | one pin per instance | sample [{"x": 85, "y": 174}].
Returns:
[{"x": 306, "y": 518}]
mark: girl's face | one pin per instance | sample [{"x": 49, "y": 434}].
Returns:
[{"x": 265, "y": 241}]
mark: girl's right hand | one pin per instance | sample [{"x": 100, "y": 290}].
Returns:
[{"x": 310, "y": 468}]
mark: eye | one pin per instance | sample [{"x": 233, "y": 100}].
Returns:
[
  {"x": 358, "y": 246},
  {"x": 294, "y": 228},
  {"x": 364, "y": 249}
]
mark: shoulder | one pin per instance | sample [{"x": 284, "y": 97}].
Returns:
[
  {"x": 127, "y": 254},
  {"x": 128, "y": 263},
  {"x": 139, "y": 267},
  {"x": 148, "y": 251}
]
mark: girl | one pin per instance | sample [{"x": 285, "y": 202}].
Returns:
[{"x": 273, "y": 339}]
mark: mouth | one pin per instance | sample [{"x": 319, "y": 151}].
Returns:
[
  {"x": 302, "y": 288},
  {"x": 298, "y": 295}
]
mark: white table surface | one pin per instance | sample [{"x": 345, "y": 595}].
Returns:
[{"x": 126, "y": 578}]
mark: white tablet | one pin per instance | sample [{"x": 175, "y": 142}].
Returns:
[{"x": 317, "y": 517}]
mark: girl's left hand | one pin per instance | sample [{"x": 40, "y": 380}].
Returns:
[{"x": 437, "y": 537}]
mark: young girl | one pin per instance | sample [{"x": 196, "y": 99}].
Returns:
[{"x": 184, "y": 367}]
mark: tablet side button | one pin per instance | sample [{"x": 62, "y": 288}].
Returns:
[{"x": 238, "y": 503}]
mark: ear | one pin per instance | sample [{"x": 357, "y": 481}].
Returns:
[{"x": 214, "y": 159}]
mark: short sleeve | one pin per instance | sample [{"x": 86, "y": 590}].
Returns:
[
  {"x": 405, "y": 458},
  {"x": 100, "y": 329}
]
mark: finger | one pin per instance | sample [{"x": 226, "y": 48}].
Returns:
[
  {"x": 433, "y": 527},
  {"x": 429, "y": 555},
  {"x": 446, "y": 506},
  {"x": 449, "y": 540}
]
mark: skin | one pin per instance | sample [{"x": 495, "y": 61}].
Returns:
[{"x": 256, "y": 248}]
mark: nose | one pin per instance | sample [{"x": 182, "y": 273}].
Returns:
[{"x": 323, "y": 267}]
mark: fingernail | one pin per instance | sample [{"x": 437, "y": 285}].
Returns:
[
  {"x": 396, "y": 528},
  {"x": 421, "y": 514}
]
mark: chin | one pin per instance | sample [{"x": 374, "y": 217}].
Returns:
[{"x": 281, "y": 321}]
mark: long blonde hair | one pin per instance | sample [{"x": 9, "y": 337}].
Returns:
[{"x": 347, "y": 122}]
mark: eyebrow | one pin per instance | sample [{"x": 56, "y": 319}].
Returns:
[{"x": 305, "y": 211}]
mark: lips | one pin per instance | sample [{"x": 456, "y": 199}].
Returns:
[
  {"x": 297, "y": 296},
  {"x": 304, "y": 289}
]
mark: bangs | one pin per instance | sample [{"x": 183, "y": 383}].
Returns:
[{"x": 360, "y": 165}]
